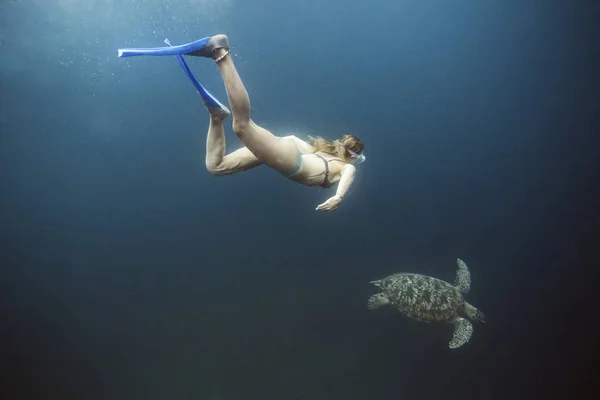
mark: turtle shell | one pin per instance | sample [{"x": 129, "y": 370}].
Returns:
[{"x": 423, "y": 297}]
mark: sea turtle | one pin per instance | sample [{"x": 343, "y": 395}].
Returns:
[{"x": 429, "y": 299}]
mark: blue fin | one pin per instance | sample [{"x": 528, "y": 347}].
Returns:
[
  {"x": 188, "y": 48},
  {"x": 207, "y": 97}
]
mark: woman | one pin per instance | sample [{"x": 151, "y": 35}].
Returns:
[{"x": 323, "y": 163}]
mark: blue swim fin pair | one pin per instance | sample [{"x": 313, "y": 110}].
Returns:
[{"x": 200, "y": 48}]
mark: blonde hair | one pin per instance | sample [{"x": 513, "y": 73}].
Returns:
[{"x": 338, "y": 147}]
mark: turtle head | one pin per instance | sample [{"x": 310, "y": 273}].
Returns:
[
  {"x": 478, "y": 317},
  {"x": 474, "y": 314}
]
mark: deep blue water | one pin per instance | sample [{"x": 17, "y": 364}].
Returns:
[{"x": 130, "y": 272}]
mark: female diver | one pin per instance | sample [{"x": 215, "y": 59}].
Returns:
[{"x": 324, "y": 163}]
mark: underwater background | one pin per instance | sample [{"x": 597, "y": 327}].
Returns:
[{"x": 130, "y": 272}]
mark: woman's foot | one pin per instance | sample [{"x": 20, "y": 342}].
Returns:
[
  {"x": 212, "y": 46},
  {"x": 218, "y": 114},
  {"x": 220, "y": 53}
]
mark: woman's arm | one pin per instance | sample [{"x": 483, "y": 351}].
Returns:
[{"x": 345, "y": 182}]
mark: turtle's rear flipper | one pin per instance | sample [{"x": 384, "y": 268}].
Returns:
[
  {"x": 462, "y": 333},
  {"x": 377, "y": 300}
]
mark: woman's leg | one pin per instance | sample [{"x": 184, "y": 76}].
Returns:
[
  {"x": 282, "y": 155},
  {"x": 217, "y": 162}
]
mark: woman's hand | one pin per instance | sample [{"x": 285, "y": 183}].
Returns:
[{"x": 331, "y": 204}]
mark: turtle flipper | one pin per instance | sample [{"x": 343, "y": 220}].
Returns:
[
  {"x": 377, "y": 300},
  {"x": 463, "y": 277},
  {"x": 462, "y": 333}
]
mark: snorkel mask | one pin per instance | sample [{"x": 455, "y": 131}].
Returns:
[{"x": 360, "y": 158}]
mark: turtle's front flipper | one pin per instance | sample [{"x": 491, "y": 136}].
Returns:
[
  {"x": 377, "y": 300},
  {"x": 463, "y": 277},
  {"x": 462, "y": 333}
]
